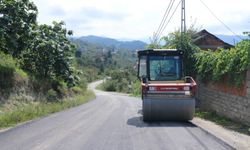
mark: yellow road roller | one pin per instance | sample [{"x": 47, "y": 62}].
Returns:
[{"x": 167, "y": 95}]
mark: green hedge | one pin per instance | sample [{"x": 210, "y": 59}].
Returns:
[{"x": 214, "y": 66}]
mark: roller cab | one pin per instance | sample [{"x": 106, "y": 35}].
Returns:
[{"x": 166, "y": 93}]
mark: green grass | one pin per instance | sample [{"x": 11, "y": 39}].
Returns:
[
  {"x": 223, "y": 121},
  {"x": 29, "y": 111}
]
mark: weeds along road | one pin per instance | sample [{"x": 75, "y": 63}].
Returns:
[{"x": 111, "y": 122}]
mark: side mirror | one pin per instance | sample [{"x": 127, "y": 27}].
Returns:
[{"x": 144, "y": 80}]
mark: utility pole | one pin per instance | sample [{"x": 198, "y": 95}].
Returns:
[
  {"x": 183, "y": 29},
  {"x": 183, "y": 17},
  {"x": 183, "y": 21}
]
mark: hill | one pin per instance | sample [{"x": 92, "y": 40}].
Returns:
[
  {"x": 231, "y": 39},
  {"x": 116, "y": 44}
]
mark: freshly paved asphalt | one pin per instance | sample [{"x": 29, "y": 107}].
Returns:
[{"x": 110, "y": 122}]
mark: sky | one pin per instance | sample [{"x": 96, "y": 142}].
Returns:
[{"x": 139, "y": 19}]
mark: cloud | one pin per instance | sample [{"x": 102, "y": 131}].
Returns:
[
  {"x": 93, "y": 21},
  {"x": 56, "y": 11},
  {"x": 138, "y": 19},
  {"x": 93, "y": 13}
]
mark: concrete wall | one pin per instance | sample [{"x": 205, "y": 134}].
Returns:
[{"x": 233, "y": 105}]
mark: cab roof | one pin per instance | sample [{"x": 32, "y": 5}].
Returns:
[{"x": 160, "y": 52}]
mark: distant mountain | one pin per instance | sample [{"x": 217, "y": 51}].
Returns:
[
  {"x": 130, "y": 45},
  {"x": 104, "y": 42},
  {"x": 231, "y": 39}
]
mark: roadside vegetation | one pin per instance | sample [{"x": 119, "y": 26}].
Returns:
[
  {"x": 214, "y": 66},
  {"x": 39, "y": 72}
]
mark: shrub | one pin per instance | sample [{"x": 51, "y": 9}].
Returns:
[
  {"x": 136, "y": 88},
  {"x": 77, "y": 90},
  {"x": 232, "y": 63},
  {"x": 109, "y": 85},
  {"x": 9, "y": 71},
  {"x": 83, "y": 83},
  {"x": 52, "y": 96}
]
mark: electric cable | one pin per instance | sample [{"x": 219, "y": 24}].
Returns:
[
  {"x": 169, "y": 19},
  {"x": 166, "y": 14},
  {"x": 227, "y": 27}
]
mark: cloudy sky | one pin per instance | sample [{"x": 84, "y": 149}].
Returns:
[{"x": 138, "y": 19}]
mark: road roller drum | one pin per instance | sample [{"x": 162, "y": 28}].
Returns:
[{"x": 168, "y": 109}]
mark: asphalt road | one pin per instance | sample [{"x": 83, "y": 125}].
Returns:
[{"x": 111, "y": 122}]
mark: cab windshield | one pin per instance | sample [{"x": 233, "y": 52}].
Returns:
[{"x": 164, "y": 68}]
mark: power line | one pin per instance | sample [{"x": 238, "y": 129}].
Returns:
[
  {"x": 166, "y": 14},
  {"x": 164, "y": 17},
  {"x": 220, "y": 20},
  {"x": 169, "y": 18}
]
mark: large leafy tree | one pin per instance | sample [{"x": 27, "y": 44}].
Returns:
[
  {"x": 17, "y": 19},
  {"x": 183, "y": 41},
  {"x": 50, "y": 54}
]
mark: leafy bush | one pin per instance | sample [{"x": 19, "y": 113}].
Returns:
[
  {"x": 9, "y": 71},
  {"x": 7, "y": 61},
  {"x": 120, "y": 80},
  {"x": 216, "y": 65},
  {"x": 77, "y": 90},
  {"x": 52, "y": 96},
  {"x": 136, "y": 88},
  {"x": 83, "y": 83},
  {"x": 109, "y": 85}
]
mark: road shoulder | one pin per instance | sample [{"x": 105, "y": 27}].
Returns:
[{"x": 234, "y": 139}]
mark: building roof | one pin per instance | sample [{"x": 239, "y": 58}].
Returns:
[{"x": 205, "y": 40}]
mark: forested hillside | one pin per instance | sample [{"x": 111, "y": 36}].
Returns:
[{"x": 103, "y": 57}]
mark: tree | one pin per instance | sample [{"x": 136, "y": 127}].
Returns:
[
  {"x": 50, "y": 53},
  {"x": 17, "y": 20},
  {"x": 154, "y": 42},
  {"x": 183, "y": 41}
]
